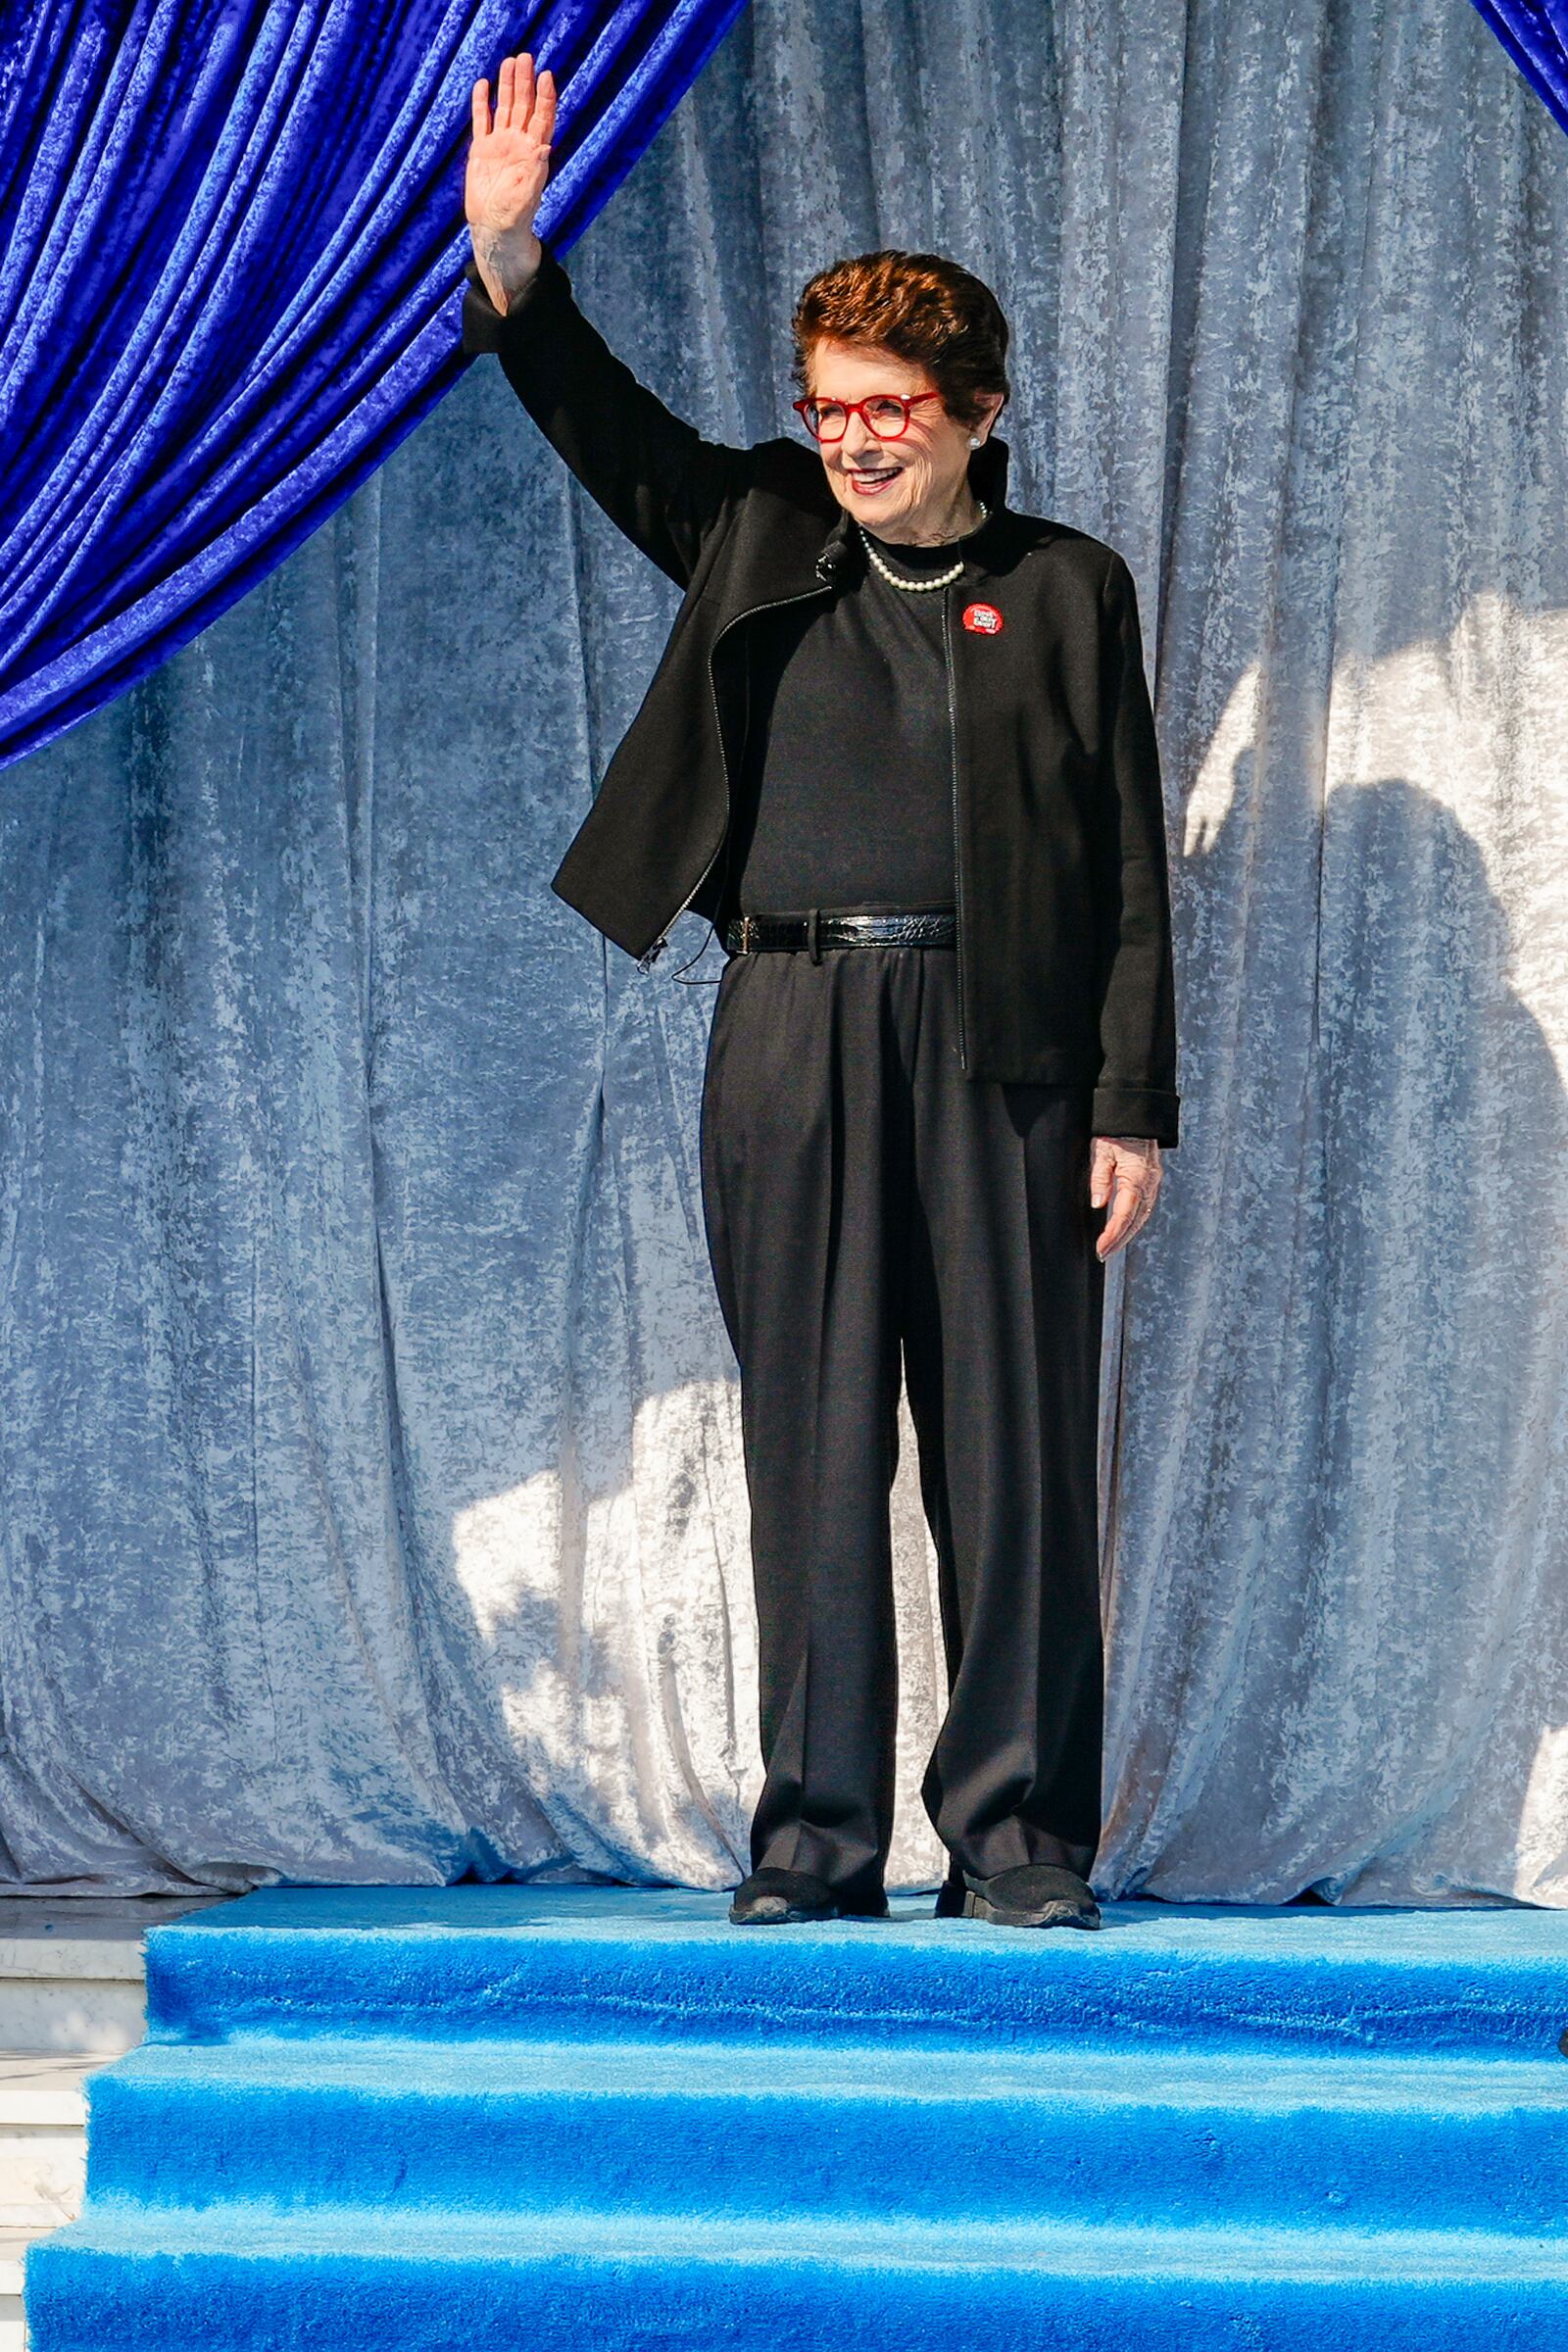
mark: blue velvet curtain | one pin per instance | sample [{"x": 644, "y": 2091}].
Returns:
[
  {"x": 371, "y": 1502},
  {"x": 229, "y": 283},
  {"x": 1535, "y": 33}
]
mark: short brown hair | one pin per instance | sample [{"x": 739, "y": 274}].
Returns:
[{"x": 920, "y": 306}]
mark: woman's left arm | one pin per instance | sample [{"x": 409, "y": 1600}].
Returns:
[{"x": 1136, "y": 1100}]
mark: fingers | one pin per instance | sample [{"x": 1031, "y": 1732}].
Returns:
[
  {"x": 525, "y": 101},
  {"x": 1124, "y": 1220},
  {"x": 1129, "y": 1213},
  {"x": 1130, "y": 1180}
]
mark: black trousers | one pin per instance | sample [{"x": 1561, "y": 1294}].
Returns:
[{"x": 866, "y": 1202}]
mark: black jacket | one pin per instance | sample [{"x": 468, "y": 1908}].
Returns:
[{"x": 1064, "y": 952}]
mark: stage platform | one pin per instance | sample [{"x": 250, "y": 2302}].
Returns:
[{"x": 504, "y": 2117}]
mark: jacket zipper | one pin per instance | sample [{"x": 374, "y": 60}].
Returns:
[
  {"x": 651, "y": 955},
  {"x": 957, "y": 846}
]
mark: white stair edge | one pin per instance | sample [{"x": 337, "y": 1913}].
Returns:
[
  {"x": 46, "y": 2087},
  {"x": 73, "y": 1970},
  {"x": 97, "y": 1938},
  {"x": 13, "y": 2244}
]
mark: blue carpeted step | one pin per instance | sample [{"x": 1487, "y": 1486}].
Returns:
[
  {"x": 594, "y": 1963},
  {"x": 1368, "y": 2142},
  {"x": 168, "y": 2281},
  {"x": 505, "y": 2116}
]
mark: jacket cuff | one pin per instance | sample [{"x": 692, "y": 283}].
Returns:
[
  {"x": 484, "y": 328},
  {"x": 1138, "y": 1110}
]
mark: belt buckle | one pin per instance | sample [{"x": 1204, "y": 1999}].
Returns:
[{"x": 747, "y": 928}]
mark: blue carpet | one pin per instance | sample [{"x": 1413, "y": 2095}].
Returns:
[{"x": 504, "y": 2117}]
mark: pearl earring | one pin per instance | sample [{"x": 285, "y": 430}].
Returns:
[{"x": 974, "y": 440}]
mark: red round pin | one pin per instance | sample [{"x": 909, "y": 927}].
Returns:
[{"x": 983, "y": 618}]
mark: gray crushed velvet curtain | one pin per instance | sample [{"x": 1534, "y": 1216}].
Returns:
[{"x": 373, "y": 1504}]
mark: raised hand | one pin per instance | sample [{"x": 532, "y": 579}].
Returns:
[{"x": 508, "y": 164}]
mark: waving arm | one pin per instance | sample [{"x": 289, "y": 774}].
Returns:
[{"x": 654, "y": 474}]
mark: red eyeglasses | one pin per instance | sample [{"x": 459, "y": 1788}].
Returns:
[{"x": 886, "y": 414}]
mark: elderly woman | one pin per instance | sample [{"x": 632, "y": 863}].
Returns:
[{"x": 899, "y": 751}]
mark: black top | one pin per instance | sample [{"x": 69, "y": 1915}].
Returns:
[
  {"x": 1066, "y": 961},
  {"x": 845, "y": 795}
]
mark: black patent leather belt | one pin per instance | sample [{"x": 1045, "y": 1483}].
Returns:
[{"x": 745, "y": 933}]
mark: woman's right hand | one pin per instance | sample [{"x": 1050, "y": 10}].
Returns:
[{"x": 508, "y": 164}]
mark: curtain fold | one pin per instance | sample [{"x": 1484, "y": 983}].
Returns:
[
  {"x": 231, "y": 280},
  {"x": 1535, "y": 33},
  {"x": 372, "y": 1497}
]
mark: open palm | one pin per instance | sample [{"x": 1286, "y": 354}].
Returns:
[{"x": 508, "y": 161}]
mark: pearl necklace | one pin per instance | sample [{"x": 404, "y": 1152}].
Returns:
[{"x": 940, "y": 579}]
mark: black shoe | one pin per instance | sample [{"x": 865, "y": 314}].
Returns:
[
  {"x": 770, "y": 1898},
  {"x": 1033, "y": 1894}
]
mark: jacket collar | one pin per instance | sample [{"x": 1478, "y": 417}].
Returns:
[{"x": 842, "y": 550}]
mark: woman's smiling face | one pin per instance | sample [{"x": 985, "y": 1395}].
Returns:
[{"x": 913, "y": 485}]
